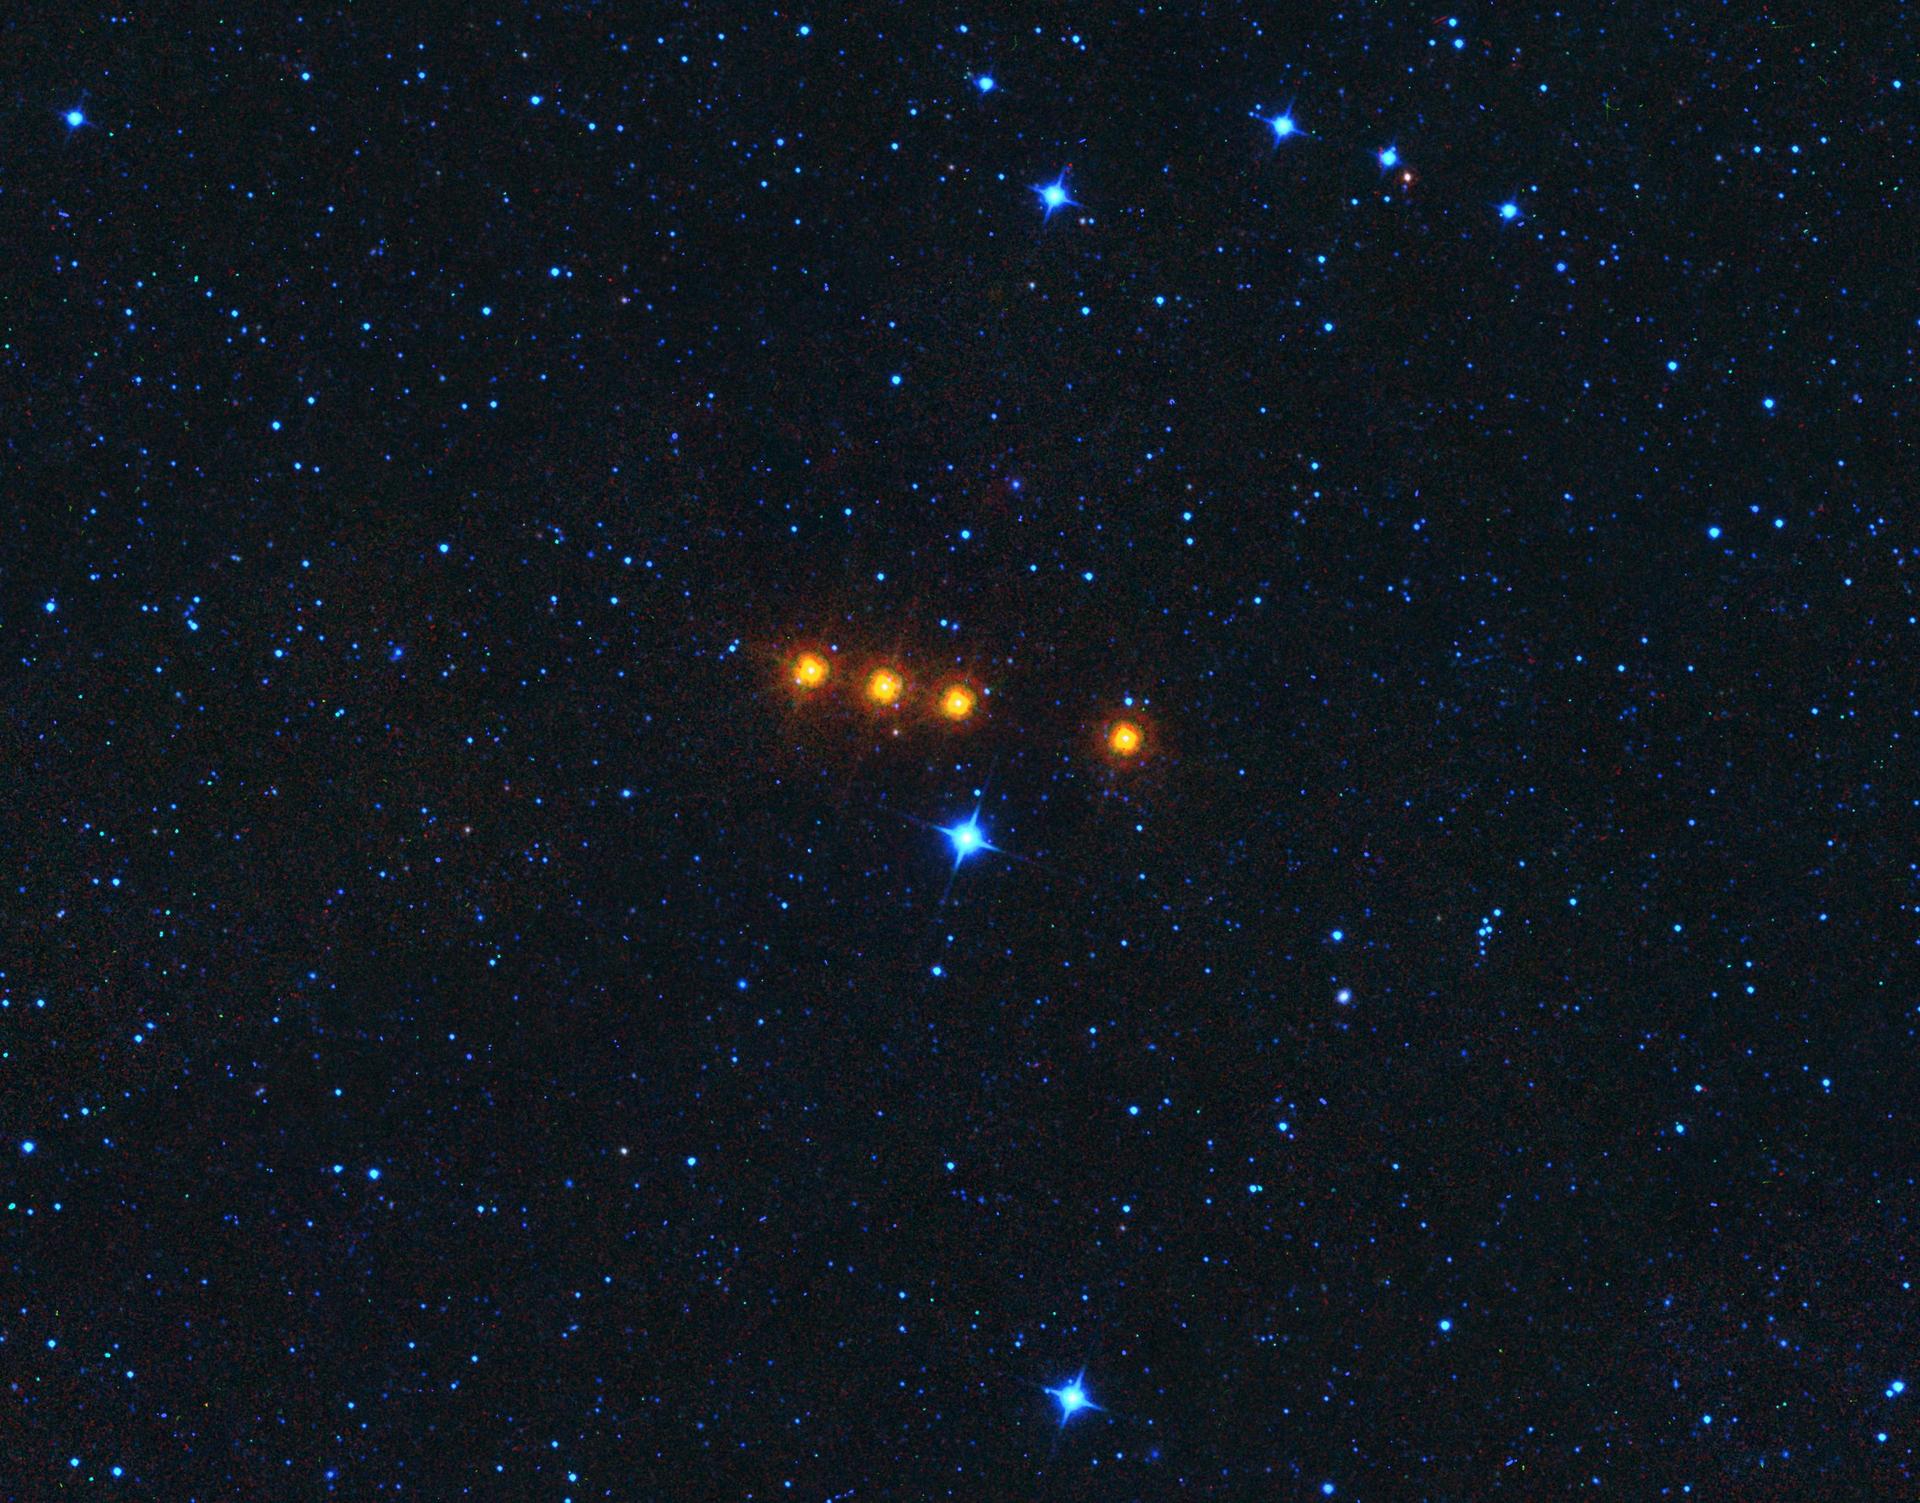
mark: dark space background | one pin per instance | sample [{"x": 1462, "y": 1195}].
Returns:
[{"x": 471, "y": 1030}]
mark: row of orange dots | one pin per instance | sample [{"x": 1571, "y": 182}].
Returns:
[{"x": 885, "y": 687}]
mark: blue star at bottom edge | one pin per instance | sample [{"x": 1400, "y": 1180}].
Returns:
[{"x": 1071, "y": 1396}]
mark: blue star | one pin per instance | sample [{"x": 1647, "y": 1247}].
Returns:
[
  {"x": 1054, "y": 194},
  {"x": 1071, "y": 1396},
  {"x": 967, "y": 837},
  {"x": 984, "y": 83},
  {"x": 1283, "y": 125},
  {"x": 1509, "y": 210},
  {"x": 76, "y": 118},
  {"x": 1389, "y": 158}
]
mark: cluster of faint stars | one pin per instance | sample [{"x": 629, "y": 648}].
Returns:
[{"x": 1283, "y": 126}]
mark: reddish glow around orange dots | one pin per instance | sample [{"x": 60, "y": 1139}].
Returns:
[
  {"x": 957, "y": 701},
  {"x": 884, "y": 687},
  {"x": 1124, "y": 738},
  {"x": 811, "y": 670}
]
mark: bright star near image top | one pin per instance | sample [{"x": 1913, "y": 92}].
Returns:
[{"x": 1054, "y": 194}]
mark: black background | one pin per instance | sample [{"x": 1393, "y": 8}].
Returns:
[{"x": 416, "y": 494}]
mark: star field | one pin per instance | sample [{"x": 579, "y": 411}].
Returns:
[{"x": 959, "y": 755}]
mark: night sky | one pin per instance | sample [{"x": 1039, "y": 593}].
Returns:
[{"x": 1350, "y": 950}]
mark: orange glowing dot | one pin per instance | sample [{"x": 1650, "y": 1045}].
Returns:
[
  {"x": 957, "y": 702},
  {"x": 1124, "y": 738},
  {"x": 884, "y": 687},
  {"x": 810, "y": 670}
]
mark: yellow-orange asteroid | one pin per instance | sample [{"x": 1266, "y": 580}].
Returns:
[
  {"x": 957, "y": 701},
  {"x": 810, "y": 670},
  {"x": 884, "y": 687},
  {"x": 1124, "y": 738}
]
